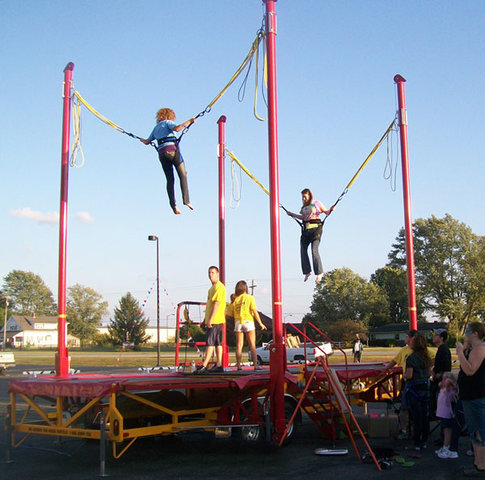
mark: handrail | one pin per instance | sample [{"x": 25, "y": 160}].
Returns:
[
  {"x": 305, "y": 337},
  {"x": 177, "y": 329}
]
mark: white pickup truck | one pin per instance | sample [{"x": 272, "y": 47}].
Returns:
[
  {"x": 6, "y": 360},
  {"x": 293, "y": 354}
]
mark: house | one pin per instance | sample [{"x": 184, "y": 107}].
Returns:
[
  {"x": 167, "y": 334},
  {"x": 395, "y": 333},
  {"x": 41, "y": 331}
]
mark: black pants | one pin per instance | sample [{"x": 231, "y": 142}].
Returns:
[
  {"x": 419, "y": 414},
  {"x": 169, "y": 160}
]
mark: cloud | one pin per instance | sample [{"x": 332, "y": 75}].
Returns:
[
  {"x": 39, "y": 217},
  {"x": 84, "y": 217}
]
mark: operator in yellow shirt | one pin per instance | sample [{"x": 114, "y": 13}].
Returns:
[
  {"x": 245, "y": 312},
  {"x": 214, "y": 320}
]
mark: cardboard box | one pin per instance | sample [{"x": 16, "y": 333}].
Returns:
[{"x": 382, "y": 426}]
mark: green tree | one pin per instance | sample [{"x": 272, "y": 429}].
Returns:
[
  {"x": 344, "y": 296},
  {"x": 129, "y": 322},
  {"x": 393, "y": 283},
  {"x": 28, "y": 294},
  {"x": 85, "y": 309},
  {"x": 450, "y": 274}
]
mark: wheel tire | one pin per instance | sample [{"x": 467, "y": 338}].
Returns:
[
  {"x": 289, "y": 409},
  {"x": 249, "y": 434}
]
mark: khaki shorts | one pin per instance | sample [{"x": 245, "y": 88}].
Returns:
[{"x": 244, "y": 326}]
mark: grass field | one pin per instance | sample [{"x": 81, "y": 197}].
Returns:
[{"x": 167, "y": 357}]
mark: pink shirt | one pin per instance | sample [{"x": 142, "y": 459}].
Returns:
[
  {"x": 312, "y": 211},
  {"x": 444, "y": 408}
]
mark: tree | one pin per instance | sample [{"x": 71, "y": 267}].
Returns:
[
  {"x": 28, "y": 294},
  {"x": 129, "y": 323},
  {"x": 393, "y": 283},
  {"x": 450, "y": 274},
  {"x": 344, "y": 296},
  {"x": 85, "y": 309}
]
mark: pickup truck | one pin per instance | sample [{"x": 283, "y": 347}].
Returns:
[
  {"x": 6, "y": 360},
  {"x": 293, "y": 354}
]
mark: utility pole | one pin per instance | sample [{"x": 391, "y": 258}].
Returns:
[
  {"x": 5, "y": 325},
  {"x": 252, "y": 287}
]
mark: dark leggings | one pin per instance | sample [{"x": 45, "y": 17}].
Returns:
[
  {"x": 312, "y": 236},
  {"x": 170, "y": 158},
  {"x": 419, "y": 413}
]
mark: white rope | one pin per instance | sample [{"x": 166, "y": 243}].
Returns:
[{"x": 76, "y": 127}]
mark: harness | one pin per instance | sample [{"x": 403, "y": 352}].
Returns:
[
  {"x": 409, "y": 389},
  {"x": 311, "y": 224},
  {"x": 171, "y": 139}
]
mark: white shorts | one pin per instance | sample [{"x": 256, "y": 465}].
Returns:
[{"x": 244, "y": 326}]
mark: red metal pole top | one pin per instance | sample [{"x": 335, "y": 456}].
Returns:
[
  {"x": 222, "y": 119},
  {"x": 69, "y": 66},
  {"x": 399, "y": 78}
]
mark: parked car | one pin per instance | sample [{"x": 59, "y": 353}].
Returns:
[{"x": 294, "y": 354}]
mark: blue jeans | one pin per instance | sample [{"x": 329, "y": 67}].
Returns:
[
  {"x": 312, "y": 237},
  {"x": 475, "y": 419}
]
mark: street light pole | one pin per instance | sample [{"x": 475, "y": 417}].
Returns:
[{"x": 153, "y": 238}]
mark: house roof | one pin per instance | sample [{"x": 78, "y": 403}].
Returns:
[
  {"x": 404, "y": 327},
  {"x": 28, "y": 323}
]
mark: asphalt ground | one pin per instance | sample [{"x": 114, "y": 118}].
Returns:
[{"x": 196, "y": 455}]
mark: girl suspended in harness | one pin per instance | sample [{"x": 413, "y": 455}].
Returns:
[
  {"x": 311, "y": 233},
  {"x": 169, "y": 154}
]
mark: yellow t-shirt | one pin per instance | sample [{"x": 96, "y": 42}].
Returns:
[
  {"x": 404, "y": 353},
  {"x": 244, "y": 304},
  {"x": 230, "y": 310},
  {"x": 217, "y": 293}
]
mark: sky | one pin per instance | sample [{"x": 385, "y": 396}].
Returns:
[{"x": 336, "y": 96}]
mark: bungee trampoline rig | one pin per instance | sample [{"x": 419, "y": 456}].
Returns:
[{"x": 119, "y": 409}]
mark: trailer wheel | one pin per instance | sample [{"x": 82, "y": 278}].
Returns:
[
  {"x": 249, "y": 434},
  {"x": 289, "y": 409}
]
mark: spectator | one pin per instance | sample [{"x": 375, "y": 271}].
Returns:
[
  {"x": 447, "y": 398},
  {"x": 471, "y": 382},
  {"x": 357, "y": 349},
  {"x": 418, "y": 366},
  {"x": 442, "y": 364}
]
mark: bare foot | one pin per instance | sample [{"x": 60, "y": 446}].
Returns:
[
  {"x": 176, "y": 211},
  {"x": 190, "y": 206},
  {"x": 318, "y": 278},
  {"x": 307, "y": 276}
]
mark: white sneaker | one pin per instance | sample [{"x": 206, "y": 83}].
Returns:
[
  {"x": 448, "y": 454},
  {"x": 442, "y": 449}
]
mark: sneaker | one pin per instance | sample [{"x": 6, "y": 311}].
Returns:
[
  {"x": 442, "y": 449},
  {"x": 201, "y": 370},
  {"x": 448, "y": 454}
]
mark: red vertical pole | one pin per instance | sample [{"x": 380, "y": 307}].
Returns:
[
  {"x": 62, "y": 355},
  {"x": 403, "y": 127},
  {"x": 277, "y": 357},
  {"x": 222, "y": 220}
]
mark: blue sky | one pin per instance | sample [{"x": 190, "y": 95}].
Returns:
[{"x": 336, "y": 96}]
